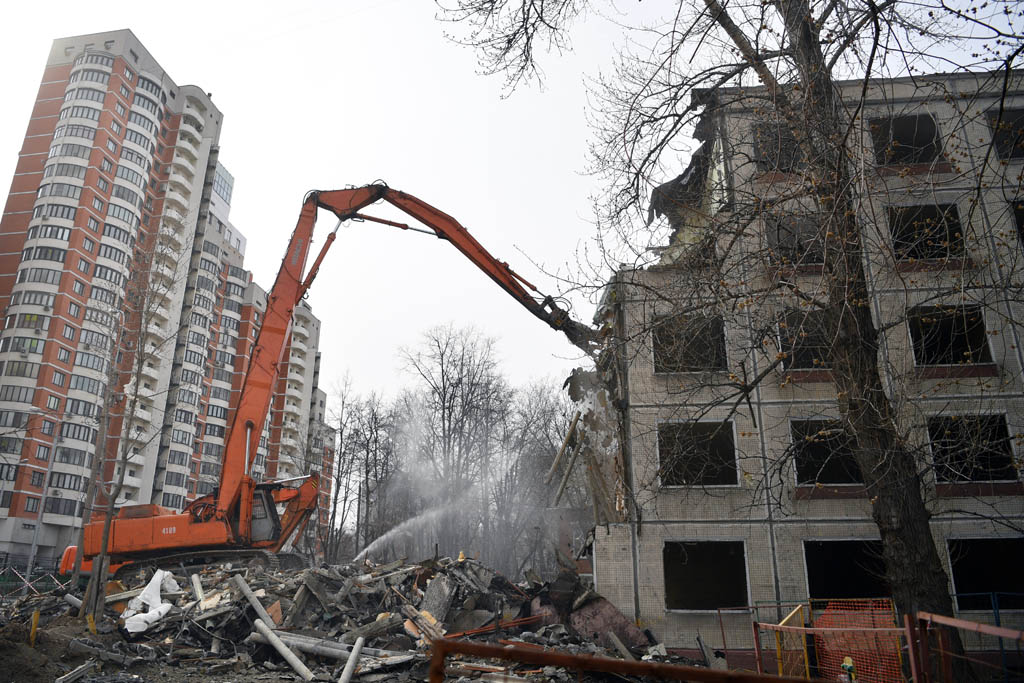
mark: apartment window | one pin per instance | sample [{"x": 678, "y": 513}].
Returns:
[
  {"x": 174, "y": 479},
  {"x": 49, "y": 427},
  {"x": 181, "y": 436},
  {"x": 106, "y": 165},
  {"x": 696, "y": 454},
  {"x": 987, "y": 566},
  {"x": 217, "y": 412},
  {"x": 97, "y": 203},
  {"x": 969, "y": 448},
  {"x": 74, "y": 310},
  {"x": 776, "y": 149},
  {"x": 103, "y": 185},
  {"x": 53, "y": 403},
  {"x": 63, "y": 355},
  {"x": 118, "y": 107},
  {"x": 795, "y": 239},
  {"x": 692, "y": 344},
  {"x": 62, "y": 506},
  {"x": 177, "y": 458},
  {"x": 704, "y": 575},
  {"x": 116, "y": 127},
  {"x": 845, "y": 569},
  {"x": 909, "y": 139},
  {"x": 8, "y": 472},
  {"x": 37, "y": 480},
  {"x": 42, "y": 452},
  {"x": 214, "y": 430},
  {"x": 59, "y": 378},
  {"x": 1008, "y": 133},
  {"x": 69, "y": 332},
  {"x": 805, "y": 343},
  {"x": 186, "y": 416},
  {"x": 111, "y": 145},
  {"x": 930, "y": 231},
  {"x": 948, "y": 335},
  {"x": 78, "y": 287},
  {"x": 823, "y": 453},
  {"x": 5, "y": 499},
  {"x": 172, "y": 500},
  {"x": 31, "y": 504}
]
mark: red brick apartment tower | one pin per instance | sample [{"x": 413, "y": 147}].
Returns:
[{"x": 116, "y": 161}]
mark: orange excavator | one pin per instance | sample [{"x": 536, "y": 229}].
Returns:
[{"x": 240, "y": 519}]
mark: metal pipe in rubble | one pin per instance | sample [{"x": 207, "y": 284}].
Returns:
[{"x": 353, "y": 659}]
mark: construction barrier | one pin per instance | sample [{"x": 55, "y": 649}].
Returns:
[
  {"x": 791, "y": 647},
  {"x": 936, "y": 659}
]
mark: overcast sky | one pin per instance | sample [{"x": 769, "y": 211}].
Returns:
[{"x": 324, "y": 95}]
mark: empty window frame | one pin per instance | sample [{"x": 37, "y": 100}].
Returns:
[
  {"x": 929, "y": 231},
  {"x": 971, "y": 448},
  {"x": 845, "y": 569},
  {"x": 691, "y": 344},
  {"x": 908, "y": 139},
  {"x": 948, "y": 335},
  {"x": 822, "y": 453},
  {"x": 697, "y": 454},
  {"x": 987, "y": 569},
  {"x": 1018, "y": 218},
  {"x": 795, "y": 239},
  {"x": 704, "y": 575},
  {"x": 776, "y": 149},
  {"x": 804, "y": 340},
  {"x": 1008, "y": 133}
]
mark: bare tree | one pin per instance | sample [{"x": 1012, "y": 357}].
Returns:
[
  {"x": 125, "y": 427},
  {"x": 783, "y": 64}
]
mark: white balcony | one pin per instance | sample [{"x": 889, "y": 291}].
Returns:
[
  {"x": 298, "y": 360},
  {"x": 299, "y": 330},
  {"x": 175, "y": 199},
  {"x": 294, "y": 392},
  {"x": 298, "y": 344},
  {"x": 192, "y": 126}
]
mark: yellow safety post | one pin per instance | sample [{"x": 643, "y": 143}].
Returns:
[{"x": 35, "y": 628}]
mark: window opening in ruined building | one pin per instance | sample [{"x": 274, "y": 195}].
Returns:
[
  {"x": 930, "y": 231},
  {"x": 823, "y": 453},
  {"x": 1018, "y": 218},
  {"x": 909, "y": 139},
  {"x": 697, "y": 454},
  {"x": 987, "y": 566},
  {"x": 795, "y": 239},
  {"x": 1008, "y": 133},
  {"x": 704, "y": 575},
  {"x": 948, "y": 335},
  {"x": 776, "y": 149},
  {"x": 969, "y": 448},
  {"x": 692, "y": 344},
  {"x": 845, "y": 569},
  {"x": 804, "y": 341}
]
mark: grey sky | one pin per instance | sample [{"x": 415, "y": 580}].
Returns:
[{"x": 323, "y": 95}]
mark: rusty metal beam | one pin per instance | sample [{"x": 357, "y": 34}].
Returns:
[
  {"x": 670, "y": 672},
  {"x": 997, "y": 631}
]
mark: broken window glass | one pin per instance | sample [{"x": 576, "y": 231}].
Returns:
[
  {"x": 909, "y": 139},
  {"x": 776, "y": 149},
  {"x": 694, "y": 343},
  {"x": 845, "y": 569},
  {"x": 795, "y": 239},
  {"x": 705, "y": 575},
  {"x": 1008, "y": 133},
  {"x": 696, "y": 454},
  {"x": 969, "y": 448},
  {"x": 805, "y": 343},
  {"x": 949, "y": 335},
  {"x": 983, "y": 566},
  {"x": 930, "y": 231},
  {"x": 823, "y": 453}
]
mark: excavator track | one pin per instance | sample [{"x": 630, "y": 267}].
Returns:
[{"x": 194, "y": 561}]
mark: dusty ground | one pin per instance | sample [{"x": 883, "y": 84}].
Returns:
[{"x": 50, "y": 659}]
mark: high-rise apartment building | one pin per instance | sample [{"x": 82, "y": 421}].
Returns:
[{"x": 118, "y": 185}]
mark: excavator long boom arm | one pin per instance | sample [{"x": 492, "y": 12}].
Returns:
[{"x": 291, "y": 285}]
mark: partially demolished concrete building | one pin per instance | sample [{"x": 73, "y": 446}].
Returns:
[{"x": 733, "y": 486}]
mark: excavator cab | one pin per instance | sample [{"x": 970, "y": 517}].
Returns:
[{"x": 266, "y": 525}]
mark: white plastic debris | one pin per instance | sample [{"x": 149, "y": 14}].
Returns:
[{"x": 134, "y": 620}]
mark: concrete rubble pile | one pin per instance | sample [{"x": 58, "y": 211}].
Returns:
[{"x": 245, "y": 623}]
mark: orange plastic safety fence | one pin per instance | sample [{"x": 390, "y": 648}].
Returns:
[
  {"x": 876, "y": 656},
  {"x": 791, "y": 648}
]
